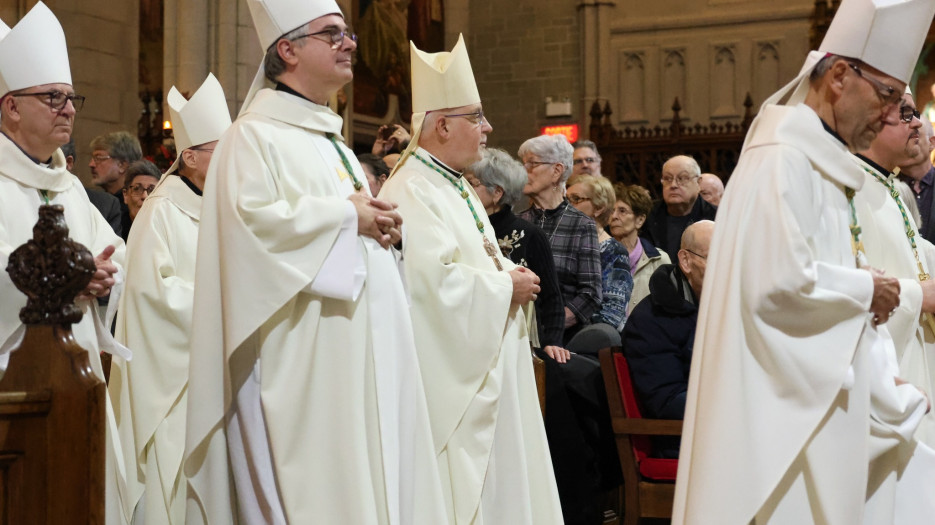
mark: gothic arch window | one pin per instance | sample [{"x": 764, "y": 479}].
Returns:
[
  {"x": 765, "y": 71},
  {"x": 633, "y": 86},
  {"x": 673, "y": 82},
  {"x": 724, "y": 81}
]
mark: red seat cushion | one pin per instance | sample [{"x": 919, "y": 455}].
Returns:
[
  {"x": 653, "y": 468},
  {"x": 659, "y": 469}
]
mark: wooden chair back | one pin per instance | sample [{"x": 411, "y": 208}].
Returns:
[{"x": 648, "y": 483}]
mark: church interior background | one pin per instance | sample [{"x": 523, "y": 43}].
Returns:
[{"x": 537, "y": 62}]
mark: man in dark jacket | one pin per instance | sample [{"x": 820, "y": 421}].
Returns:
[
  {"x": 680, "y": 206},
  {"x": 658, "y": 337}
]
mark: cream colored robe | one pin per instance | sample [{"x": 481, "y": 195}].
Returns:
[
  {"x": 154, "y": 320},
  {"x": 20, "y": 182},
  {"x": 788, "y": 377},
  {"x": 887, "y": 248},
  {"x": 475, "y": 356},
  {"x": 299, "y": 316}
]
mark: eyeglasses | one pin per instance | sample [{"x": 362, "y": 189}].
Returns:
[
  {"x": 475, "y": 117},
  {"x": 137, "y": 189},
  {"x": 907, "y": 113},
  {"x": 335, "y": 36},
  {"x": 587, "y": 160},
  {"x": 888, "y": 94},
  {"x": 682, "y": 179},
  {"x": 100, "y": 158},
  {"x": 57, "y": 100},
  {"x": 207, "y": 150},
  {"x": 703, "y": 258},
  {"x": 532, "y": 164},
  {"x": 577, "y": 199}
]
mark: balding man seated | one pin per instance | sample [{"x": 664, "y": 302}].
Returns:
[
  {"x": 712, "y": 188},
  {"x": 680, "y": 204},
  {"x": 658, "y": 337}
]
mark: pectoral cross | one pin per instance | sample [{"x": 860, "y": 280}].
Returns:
[{"x": 492, "y": 252}]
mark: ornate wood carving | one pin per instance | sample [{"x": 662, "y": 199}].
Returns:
[
  {"x": 51, "y": 270},
  {"x": 52, "y": 404},
  {"x": 636, "y": 155}
]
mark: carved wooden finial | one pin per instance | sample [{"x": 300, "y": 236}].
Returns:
[{"x": 51, "y": 270}]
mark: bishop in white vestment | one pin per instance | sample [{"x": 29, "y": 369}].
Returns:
[
  {"x": 303, "y": 374},
  {"x": 471, "y": 334},
  {"x": 34, "y": 59},
  {"x": 792, "y": 391},
  {"x": 155, "y": 314}
]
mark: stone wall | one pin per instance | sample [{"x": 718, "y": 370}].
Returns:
[
  {"x": 103, "y": 49},
  {"x": 523, "y": 51}
]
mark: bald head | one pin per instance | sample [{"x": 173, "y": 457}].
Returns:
[
  {"x": 693, "y": 255},
  {"x": 920, "y": 162},
  {"x": 712, "y": 189}
]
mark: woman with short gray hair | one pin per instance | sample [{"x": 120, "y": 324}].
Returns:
[
  {"x": 498, "y": 180},
  {"x": 572, "y": 234}
]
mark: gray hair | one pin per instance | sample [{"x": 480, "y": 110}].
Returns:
[
  {"x": 119, "y": 145},
  {"x": 551, "y": 148},
  {"x": 587, "y": 144},
  {"x": 274, "y": 65},
  {"x": 141, "y": 167},
  {"x": 498, "y": 168},
  {"x": 822, "y": 67}
]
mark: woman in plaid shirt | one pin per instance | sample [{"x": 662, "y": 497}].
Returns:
[{"x": 572, "y": 234}]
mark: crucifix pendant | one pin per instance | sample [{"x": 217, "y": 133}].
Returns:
[{"x": 492, "y": 252}]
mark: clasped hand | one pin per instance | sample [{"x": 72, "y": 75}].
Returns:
[{"x": 377, "y": 219}]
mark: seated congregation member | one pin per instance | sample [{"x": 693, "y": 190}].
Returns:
[
  {"x": 155, "y": 314},
  {"x": 594, "y": 196},
  {"x": 572, "y": 234},
  {"x": 305, "y": 401},
  {"x": 658, "y": 338},
  {"x": 468, "y": 303},
  {"x": 111, "y": 156},
  {"x": 376, "y": 170},
  {"x": 633, "y": 205},
  {"x": 38, "y": 104},
  {"x": 142, "y": 177},
  {"x": 105, "y": 203},
  {"x": 681, "y": 204},
  {"x": 498, "y": 180}
]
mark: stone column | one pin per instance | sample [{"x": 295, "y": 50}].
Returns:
[{"x": 596, "y": 67}]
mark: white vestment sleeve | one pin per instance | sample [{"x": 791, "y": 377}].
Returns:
[{"x": 343, "y": 272}]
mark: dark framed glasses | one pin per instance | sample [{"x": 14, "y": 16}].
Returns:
[
  {"x": 335, "y": 36},
  {"x": 57, "y": 99},
  {"x": 907, "y": 113}
]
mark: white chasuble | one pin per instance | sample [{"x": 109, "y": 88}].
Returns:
[
  {"x": 883, "y": 229},
  {"x": 475, "y": 356},
  {"x": 154, "y": 320},
  {"x": 308, "y": 384},
  {"x": 20, "y": 183},
  {"x": 786, "y": 372}
]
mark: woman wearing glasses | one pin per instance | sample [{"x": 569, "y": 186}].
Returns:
[
  {"x": 629, "y": 214},
  {"x": 572, "y": 234},
  {"x": 498, "y": 180},
  {"x": 142, "y": 177},
  {"x": 594, "y": 196}
]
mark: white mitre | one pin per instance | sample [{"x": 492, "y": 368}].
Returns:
[
  {"x": 274, "y": 18},
  {"x": 33, "y": 53},
  {"x": 885, "y": 34},
  {"x": 439, "y": 81},
  {"x": 198, "y": 120}
]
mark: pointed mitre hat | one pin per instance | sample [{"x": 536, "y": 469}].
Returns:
[
  {"x": 200, "y": 119},
  {"x": 885, "y": 34},
  {"x": 439, "y": 81},
  {"x": 33, "y": 53},
  {"x": 274, "y": 18}
]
